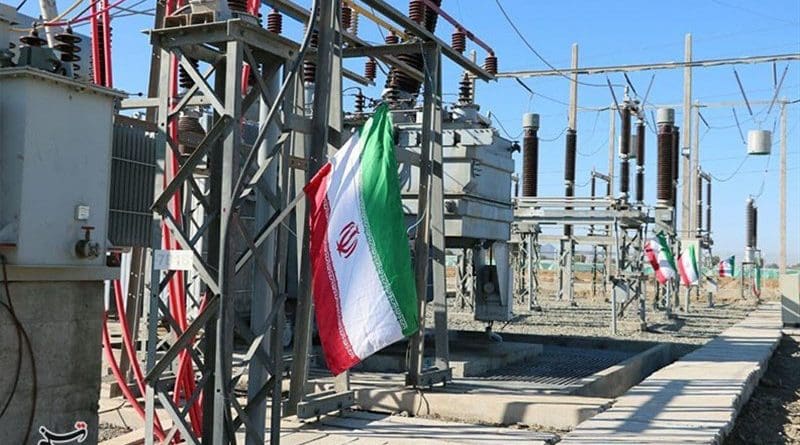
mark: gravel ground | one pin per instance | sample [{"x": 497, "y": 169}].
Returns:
[
  {"x": 772, "y": 416},
  {"x": 592, "y": 317},
  {"x": 109, "y": 431}
]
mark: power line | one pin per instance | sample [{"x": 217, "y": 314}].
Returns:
[{"x": 533, "y": 50}]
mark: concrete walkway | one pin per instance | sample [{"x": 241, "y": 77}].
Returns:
[{"x": 695, "y": 399}]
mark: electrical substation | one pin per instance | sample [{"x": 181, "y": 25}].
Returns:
[{"x": 160, "y": 284}]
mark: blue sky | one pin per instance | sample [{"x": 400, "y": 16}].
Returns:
[{"x": 611, "y": 32}]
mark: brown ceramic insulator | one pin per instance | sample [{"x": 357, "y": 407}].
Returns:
[
  {"x": 405, "y": 82},
  {"x": 431, "y": 16},
  {"x": 490, "y": 64},
  {"x": 370, "y": 69},
  {"x": 416, "y": 10},
  {"x": 459, "y": 41},
  {"x": 465, "y": 90},
  {"x": 675, "y": 157},
  {"x": 625, "y": 137},
  {"x": 32, "y": 39},
  {"x": 184, "y": 80},
  {"x": 664, "y": 161},
  {"x": 275, "y": 22},
  {"x": 624, "y": 176},
  {"x": 391, "y": 39},
  {"x": 67, "y": 45},
  {"x": 347, "y": 16},
  {"x": 530, "y": 162},
  {"x": 190, "y": 133},
  {"x": 569, "y": 159},
  {"x": 708, "y": 206},
  {"x": 237, "y": 5},
  {"x": 360, "y": 103},
  {"x": 309, "y": 67},
  {"x": 640, "y": 136}
]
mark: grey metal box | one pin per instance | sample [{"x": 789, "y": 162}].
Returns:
[{"x": 55, "y": 156}]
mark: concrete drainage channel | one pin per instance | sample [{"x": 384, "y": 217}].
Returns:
[{"x": 548, "y": 383}]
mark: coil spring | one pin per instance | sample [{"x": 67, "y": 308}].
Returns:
[
  {"x": 32, "y": 39},
  {"x": 370, "y": 69},
  {"x": 459, "y": 40},
  {"x": 416, "y": 10},
  {"x": 465, "y": 90},
  {"x": 275, "y": 22},
  {"x": 360, "y": 102},
  {"x": 347, "y": 16},
  {"x": 490, "y": 64},
  {"x": 237, "y": 5}
]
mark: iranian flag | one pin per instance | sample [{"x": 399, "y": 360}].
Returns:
[
  {"x": 660, "y": 258},
  {"x": 726, "y": 266},
  {"x": 362, "y": 281},
  {"x": 687, "y": 266}
]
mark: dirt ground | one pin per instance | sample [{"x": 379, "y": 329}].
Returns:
[{"x": 772, "y": 416}]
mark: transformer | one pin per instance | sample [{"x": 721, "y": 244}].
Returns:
[{"x": 478, "y": 168}]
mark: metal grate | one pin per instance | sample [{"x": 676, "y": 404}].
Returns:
[
  {"x": 558, "y": 366},
  {"x": 133, "y": 169}
]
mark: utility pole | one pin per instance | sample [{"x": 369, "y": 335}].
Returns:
[
  {"x": 782, "y": 199},
  {"x": 686, "y": 183},
  {"x": 567, "y": 245},
  {"x": 694, "y": 160}
]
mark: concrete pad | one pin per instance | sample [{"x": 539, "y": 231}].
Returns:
[
  {"x": 458, "y": 403},
  {"x": 364, "y": 428},
  {"x": 696, "y": 399}
]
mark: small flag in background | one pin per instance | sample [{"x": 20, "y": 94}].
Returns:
[
  {"x": 362, "y": 280},
  {"x": 687, "y": 266},
  {"x": 660, "y": 258},
  {"x": 726, "y": 266}
]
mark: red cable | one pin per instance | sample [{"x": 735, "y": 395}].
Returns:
[
  {"x": 95, "y": 47},
  {"x": 112, "y": 361},
  {"x": 126, "y": 339}
]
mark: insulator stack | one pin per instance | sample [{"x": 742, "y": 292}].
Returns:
[
  {"x": 309, "y": 67},
  {"x": 676, "y": 156},
  {"x": 32, "y": 39},
  {"x": 431, "y": 16},
  {"x": 354, "y": 23},
  {"x": 624, "y": 152},
  {"x": 459, "y": 40},
  {"x": 490, "y": 64},
  {"x": 190, "y": 133},
  {"x": 184, "y": 80},
  {"x": 699, "y": 191},
  {"x": 530, "y": 154},
  {"x": 370, "y": 69},
  {"x": 360, "y": 103},
  {"x": 67, "y": 45},
  {"x": 275, "y": 22},
  {"x": 465, "y": 90},
  {"x": 708, "y": 206},
  {"x": 569, "y": 162},
  {"x": 347, "y": 16},
  {"x": 416, "y": 10},
  {"x": 666, "y": 117},
  {"x": 640, "y": 135},
  {"x": 237, "y": 6},
  {"x": 391, "y": 39},
  {"x": 569, "y": 171},
  {"x": 750, "y": 223}
]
